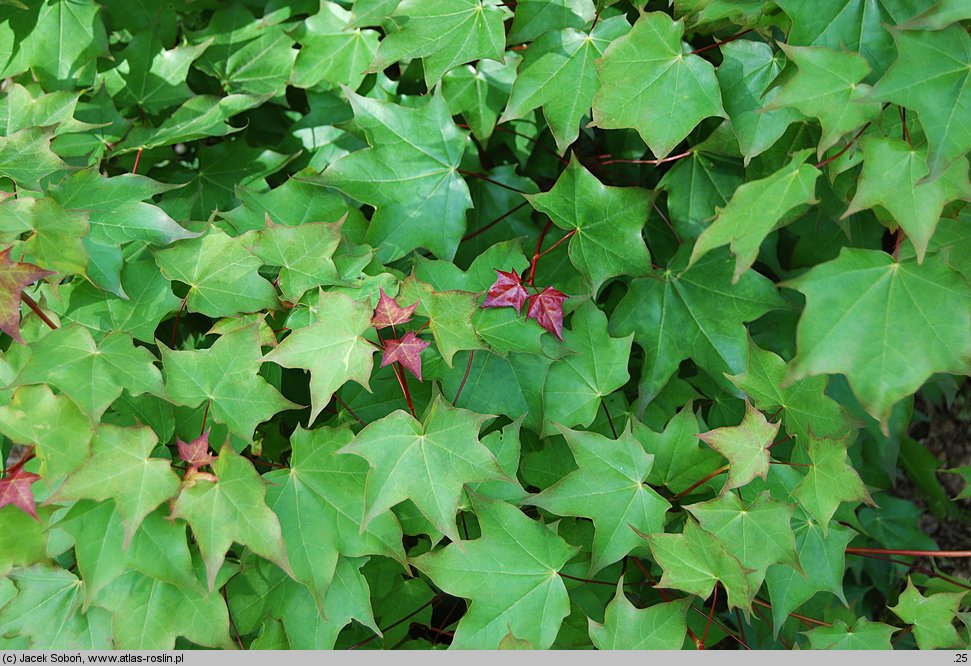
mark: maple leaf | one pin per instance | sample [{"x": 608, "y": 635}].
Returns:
[
  {"x": 389, "y": 313},
  {"x": 546, "y": 308},
  {"x": 406, "y": 351},
  {"x": 506, "y": 291},
  {"x": 746, "y": 446},
  {"x": 196, "y": 452},
  {"x": 14, "y": 276},
  {"x": 15, "y": 489}
]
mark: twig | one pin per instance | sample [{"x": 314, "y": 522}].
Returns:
[
  {"x": 32, "y": 304},
  {"x": 844, "y": 148},
  {"x": 349, "y": 411},
  {"x": 492, "y": 224},
  {"x": 465, "y": 377},
  {"x": 724, "y": 41}
]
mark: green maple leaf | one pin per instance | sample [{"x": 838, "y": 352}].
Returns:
[
  {"x": 831, "y": 480},
  {"x": 696, "y": 313},
  {"x": 409, "y": 181},
  {"x": 747, "y": 69},
  {"x": 329, "y": 51},
  {"x": 232, "y": 508},
  {"x": 559, "y": 73},
  {"x": 804, "y": 403},
  {"x": 679, "y": 459},
  {"x": 606, "y": 223},
  {"x": 773, "y": 197},
  {"x": 449, "y": 315},
  {"x": 221, "y": 275},
  {"x": 853, "y": 25},
  {"x": 14, "y": 277},
  {"x": 674, "y": 91},
  {"x": 508, "y": 575},
  {"x": 149, "y": 614},
  {"x": 576, "y": 384},
  {"x": 57, "y": 241},
  {"x": 662, "y": 626},
  {"x": 159, "y": 548},
  {"x": 510, "y": 386},
  {"x": 59, "y": 431},
  {"x": 120, "y": 468},
  {"x": 304, "y": 253},
  {"x": 333, "y": 349},
  {"x": 758, "y": 533},
  {"x": 940, "y": 94},
  {"x": 259, "y": 63},
  {"x": 226, "y": 376},
  {"x": 443, "y": 33},
  {"x": 116, "y": 211},
  {"x": 348, "y": 598},
  {"x": 427, "y": 462},
  {"x": 939, "y": 16},
  {"x": 58, "y": 44},
  {"x": 327, "y": 491},
  {"x": 262, "y": 591},
  {"x": 746, "y": 446},
  {"x": 293, "y": 204},
  {"x": 866, "y": 290},
  {"x": 221, "y": 168},
  {"x": 23, "y": 540},
  {"x": 21, "y": 108},
  {"x": 93, "y": 374},
  {"x": 893, "y": 175},
  {"x": 480, "y": 93},
  {"x": 149, "y": 76},
  {"x": 98, "y": 535},
  {"x": 827, "y": 87},
  {"x": 199, "y": 117},
  {"x": 932, "y": 616},
  {"x": 45, "y": 611},
  {"x": 822, "y": 565},
  {"x": 694, "y": 561},
  {"x": 150, "y": 300},
  {"x": 533, "y": 18},
  {"x": 696, "y": 187},
  {"x": 609, "y": 489},
  {"x": 863, "y": 635}
]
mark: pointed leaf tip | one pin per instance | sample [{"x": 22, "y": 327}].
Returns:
[
  {"x": 15, "y": 489},
  {"x": 546, "y": 308},
  {"x": 406, "y": 351},
  {"x": 389, "y": 313},
  {"x": 506, "y": 291},
  {"x": 14, "y": 276},
  {"x": 196, "y": 452}
]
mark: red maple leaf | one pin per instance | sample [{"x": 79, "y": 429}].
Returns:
[
  {"x": 196, "y": 452},
  {"x": 15, "y": 489},
  {"x": 507, "y": 290},
  {"x": 406, "y": 351},
  {"x": 14, "y": 276},
  {"x": 546, "y": 308},
  {"x": 389, "y": 313}
]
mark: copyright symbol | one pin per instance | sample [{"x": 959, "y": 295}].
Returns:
[{"x": 9, "y": 658}]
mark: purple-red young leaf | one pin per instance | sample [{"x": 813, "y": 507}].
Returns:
[
  {"x": 389, "y": 313},
  {"x": 196, "y": 452},
  {"x": 14, "y": 276},
  {"x": 15, "y": 489},
  {"x": 546, "y": 308},
  {"x": 507, "y": 290},
  {"x": 406, "y": 351}
]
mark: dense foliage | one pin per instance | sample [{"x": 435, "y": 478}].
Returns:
[{"x": 540, "y": 323}]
